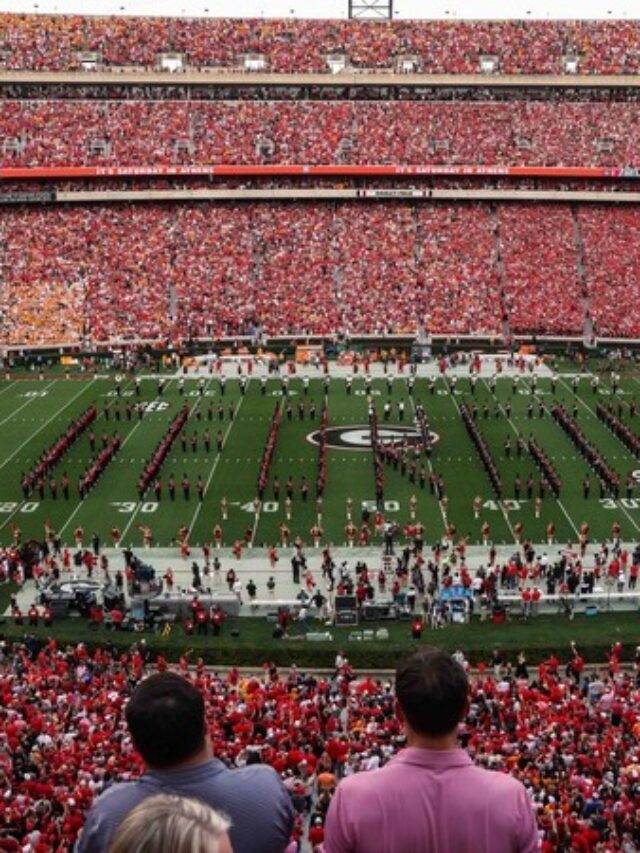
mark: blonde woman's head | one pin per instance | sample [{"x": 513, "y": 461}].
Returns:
[{"x": 167, "y": 822}]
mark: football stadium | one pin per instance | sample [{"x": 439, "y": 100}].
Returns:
[{"x": 319, "y": 430}]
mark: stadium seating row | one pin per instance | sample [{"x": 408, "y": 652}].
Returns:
[
  {"x": 41, "y": 42},
  {"x": 213, "y": 269},
  {"x": 64, "y": 738},
  {"x": 526, "y": 132}
]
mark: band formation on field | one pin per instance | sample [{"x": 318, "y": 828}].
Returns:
[{"x": 261, "y": 459}]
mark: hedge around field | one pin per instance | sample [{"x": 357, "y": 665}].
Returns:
[
  {"x": 363, "y": 656},
  {"x": 254, "y": 644},
  {"x": 227, "y": 651}
]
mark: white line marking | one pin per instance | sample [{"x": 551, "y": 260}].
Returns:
[
  {"x": 214, "y": 466},
  {"x": 139, "y": 503},
  {"x": 558, "y": 501},
  {"x": 46, "y": 423},
  {"x": 128, "y": 436},
  {"x": 594, "y": 415},
  {"x": 4, "y": 390},
  {"x": 430, "y": 467},
  {"x": 24, "y": 405}
]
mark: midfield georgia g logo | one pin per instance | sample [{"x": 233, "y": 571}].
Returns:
[{"x": 358, "y": 437}]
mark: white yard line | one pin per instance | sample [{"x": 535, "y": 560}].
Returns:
[
  {"x": 81, "y": 503},
  {"x": 568, "y": 517},
  {"x": 70, "y": 518},
  {"x": 630, "y": 517},
  {"x": 12, "y": 514},
  {"x": 626, "y": 449},
  {"x": 46, "y": 423},
  {"x": 215, "y": 465},
  {"x": 254, "y": 529},
  {"x": 11, "y": 383},
  {"x": 594, "y": 415},
  {"x": 24, "y": 405},
  {"x": 130, "y": 522},
  {"x": 23, "y": 502},
  {"x": 558, "y": 501},
  {"x": 256, "y": 520},
  {"x": 139, "y": 503},
  {"x": 430, "y": 466},
  {"x": 505, "y": 514},
  {"x": 624, "y": 509},
  {"x": 579, "y": 398}
]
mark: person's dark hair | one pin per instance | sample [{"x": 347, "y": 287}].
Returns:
[
  {"x": 432, "y": 690},
  {"x": 165, "y": 716}
]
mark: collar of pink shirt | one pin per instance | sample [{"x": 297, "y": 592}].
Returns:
[{"x": 432, "y": 757}]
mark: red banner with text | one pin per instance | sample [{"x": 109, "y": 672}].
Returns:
[{"x": 36, "y": 172}]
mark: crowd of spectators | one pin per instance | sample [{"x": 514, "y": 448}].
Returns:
[
  {"x": 611, "y": 258},
  {"x": 210, "y": 270},
  {"x": 572, "y": 739},
  {"x": 374, "y": 254},
  {"x": 43, "y": 255},
  {"x": 457, "y": 255},
  {"x": 42, "y": 42},
  {"x": 542, "y": 290},
  {"x": 153, "y": 133}
]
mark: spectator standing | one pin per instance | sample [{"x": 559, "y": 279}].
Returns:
[
  {"x": 166, "y": 720},
  {"x": 431, "y": 797}
]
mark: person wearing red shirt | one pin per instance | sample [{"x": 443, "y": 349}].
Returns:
[
  {"x": 201, "y": 619},
  {"x": 417, "y": 627},
  {"x": 575, "y": 667},
  {"x": 395, "y": 589},
  {"x": 614, "y": 665},
  {"x": 217, "y": 620},
  {"x": 553, "y": 664},
  {"x": 117, "y": 618},
  {"x": 316, "y": 833}
]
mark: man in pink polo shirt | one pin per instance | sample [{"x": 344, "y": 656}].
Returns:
[{"x": 431, "y": 798}]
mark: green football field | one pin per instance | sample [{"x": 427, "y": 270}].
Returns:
[{"x": 33, "y": 413}]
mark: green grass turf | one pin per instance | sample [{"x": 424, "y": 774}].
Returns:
[{"x": 33, "y": 413}]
